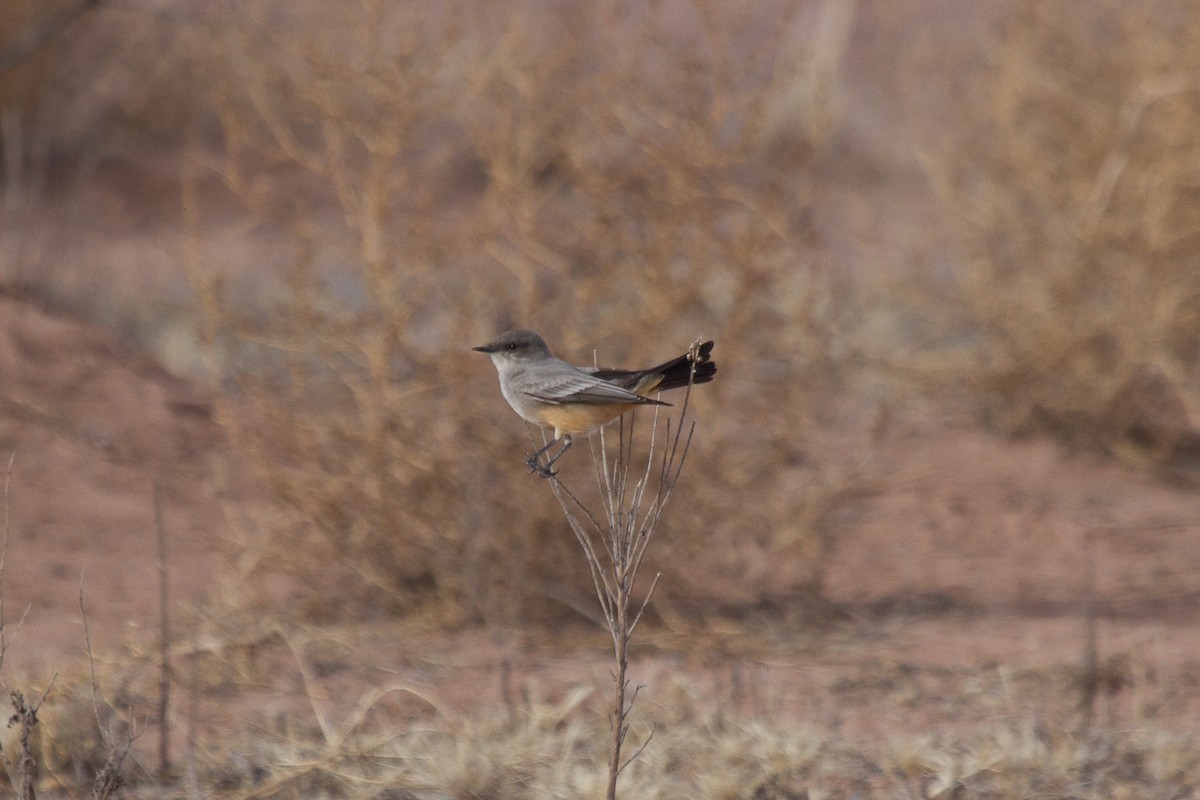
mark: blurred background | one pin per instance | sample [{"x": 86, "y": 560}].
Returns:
[{"x": 948, "y": 253}]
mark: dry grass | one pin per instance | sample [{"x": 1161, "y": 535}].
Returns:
[
  {"x": 547, "y": 753},
  {"x": 1070, "y": 186},
  {"x": 310, "y": 722}
]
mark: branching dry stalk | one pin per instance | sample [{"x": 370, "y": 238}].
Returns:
[
  {"x": 615, "y": 542},
  {"x": 110, "y": 778},
  {"x": 25, "y": 715},
  {"x": 4, "y": 553},
  {"x": 164, "y": 639}
]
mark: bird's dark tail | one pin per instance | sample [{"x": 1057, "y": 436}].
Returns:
[{"x": 674, "y": 372}]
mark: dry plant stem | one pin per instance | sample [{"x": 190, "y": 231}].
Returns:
[
  {"x": 1089, "y": 678},
  {"x": 615, "y": 544},
  {"x": 4, "y": 553},
  {"x": 190, "y": 773},
  {"x": 26, "y": 715},
  {"x": 108, "y": 779},
  {"x": 164, "y": 698}
]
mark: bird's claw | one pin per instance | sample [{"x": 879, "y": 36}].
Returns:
[{"x": 536, "y": 466}]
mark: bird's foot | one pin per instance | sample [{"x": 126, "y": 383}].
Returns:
[{"x": 536, "y": 466}]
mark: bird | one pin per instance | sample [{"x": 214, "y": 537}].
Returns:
[{"x": 578, "y": 401}]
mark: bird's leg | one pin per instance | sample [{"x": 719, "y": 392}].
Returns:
[
  {"x": 567, "y": 442},
  {"x": 534, "y": 461}
]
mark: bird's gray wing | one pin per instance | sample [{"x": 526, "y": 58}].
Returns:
[{"x": 579, "y": 387}]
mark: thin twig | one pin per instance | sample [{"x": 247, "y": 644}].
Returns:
[
  {"x": 87, "y": 642},
  {"x": 26, "y": 715},
  {"x": 4, "y": 553},
  {"x": 645, "y": 602},
  {"x": 634, "y": 757},
  {"x": 109, "y": 778},
  {"x": 164, "y": 639}
]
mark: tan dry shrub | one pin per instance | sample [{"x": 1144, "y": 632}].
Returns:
[
  {"x": 68, "y": 745},
  {"x": 1069, "y": 177},
  {"x": 433, "y": 177}
]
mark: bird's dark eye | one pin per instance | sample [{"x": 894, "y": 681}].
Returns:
[{"x": 512, "y": 345}]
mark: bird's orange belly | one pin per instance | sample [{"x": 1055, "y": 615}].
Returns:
[{"x": 576, "y": 420}]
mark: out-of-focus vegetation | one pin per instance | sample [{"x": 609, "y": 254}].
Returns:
[
  {"x": 1070, "y": 170},
  {"x": 616, "y": 177}
]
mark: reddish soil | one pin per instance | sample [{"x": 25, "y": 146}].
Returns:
[{"x": 90, "y": 430}]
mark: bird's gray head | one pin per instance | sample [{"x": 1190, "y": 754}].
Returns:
[{"x": 515, "y": 346}]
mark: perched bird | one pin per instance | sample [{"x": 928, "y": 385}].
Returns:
[{"x": 577, "y": 401}]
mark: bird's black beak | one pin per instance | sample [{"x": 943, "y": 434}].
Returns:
[{"x": 485, "y": 348}]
